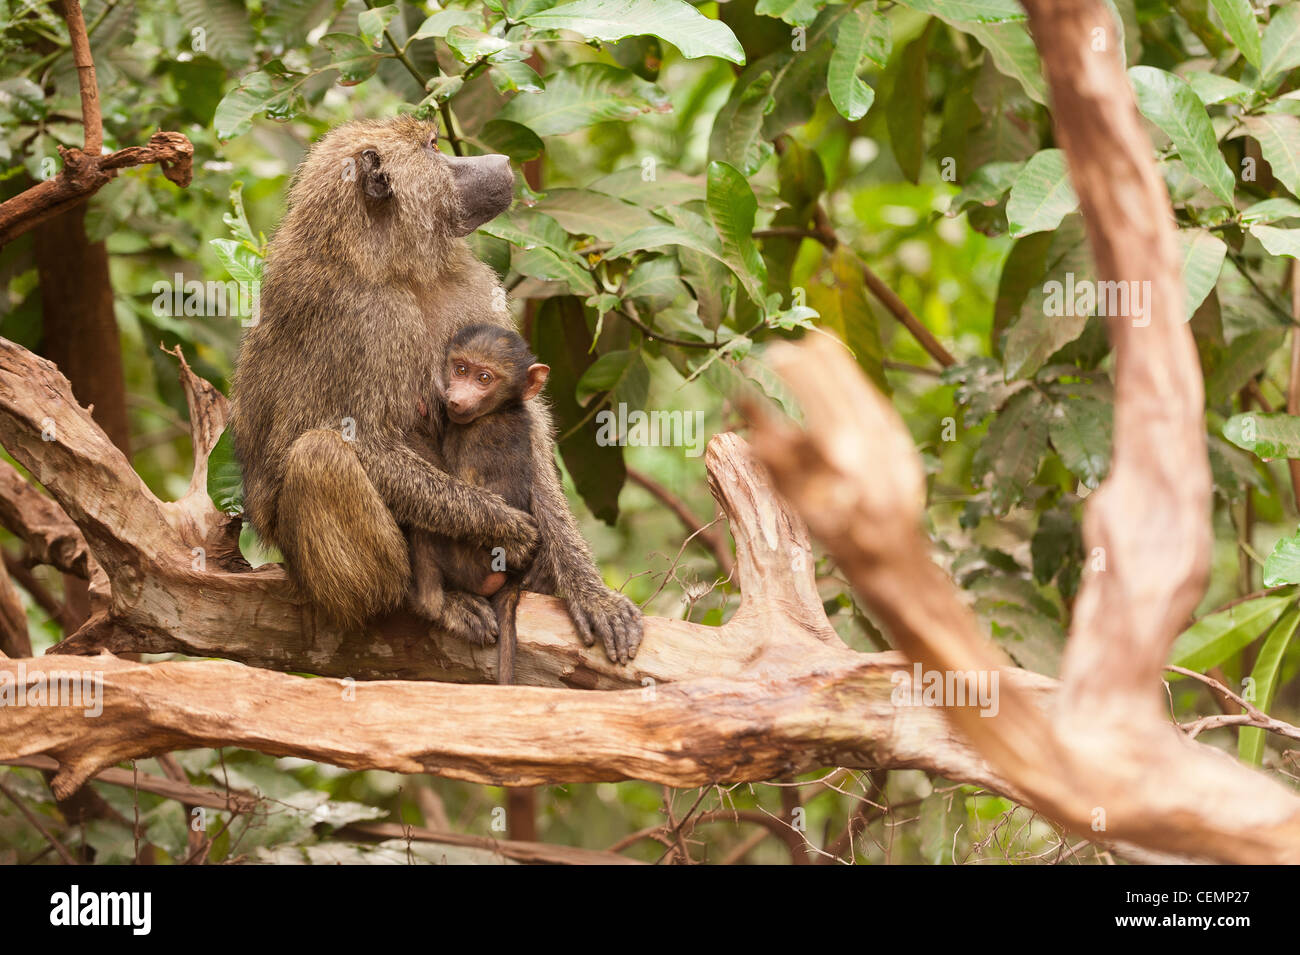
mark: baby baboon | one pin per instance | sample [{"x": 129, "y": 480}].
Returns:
[
  {"x": 367, "y": 280},
  {"x": 481, "y": 434}
]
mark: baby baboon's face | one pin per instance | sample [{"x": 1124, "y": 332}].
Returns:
[{"x": 393, "y": 172}]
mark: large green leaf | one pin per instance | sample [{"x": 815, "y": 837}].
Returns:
[
  {"x": 1239, "y": 23},
  {"x": 1172, "y": 105},
  {"x": 908, "y": 105},
  {"x": 1279, "y": 140},
  {"x": 976, "y": 11},
  {"x": 1013, "y": 52},
  {"x": 1214, "y": 638},
  {"x": 1281, "y": 47},
  {"x": 1282, "y": 566},
  {"x": 1053, "y": 312},
  {"x": 739, "y": 138},
  {"x": 673, "y": 20},
  {"x": 1008, "y": 459},
  {"x": 1270, "y": 210},
  {"x": 1278, "y": 241},
  {"x": 583, "y": 212},
  {"x": 1268, "y": 668},
  {"x": 864, "y": 36},
  {"x": 1202, "y": 259},
  {"x": 584, "y": 94},
  {"x": 1041, "y": 195},
  {"x": 225, "y": 481},
  {"x": 1081, "y": 433},
  {"x": 1266, "y": 435},
  {"x": 732, "y": 207},
  {"x": 1242, "y": 360}
]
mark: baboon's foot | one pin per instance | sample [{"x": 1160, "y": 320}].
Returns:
[{"x": 468, "y": 617}]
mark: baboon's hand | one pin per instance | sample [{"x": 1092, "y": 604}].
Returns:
[
  {"x": 607, "y": 615},
  {"x": 518, "y": 538}
]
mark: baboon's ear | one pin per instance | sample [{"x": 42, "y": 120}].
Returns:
[
  {"x": 374, "y": 181},
  {"x": 536, "y": 381}
]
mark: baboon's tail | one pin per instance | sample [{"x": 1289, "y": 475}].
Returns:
[
  {"x": 506, "y": 603},
  {"x": 339, "y": 538}
]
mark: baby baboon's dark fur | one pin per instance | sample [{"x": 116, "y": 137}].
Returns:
[
  {"x": 366, "y": 281},
  {"x": 480, "y": 433}
]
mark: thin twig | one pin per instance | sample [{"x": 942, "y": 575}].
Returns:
[{"x": 710, "y": 539}]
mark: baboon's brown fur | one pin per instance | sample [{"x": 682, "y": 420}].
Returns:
[{"x": 365, "y": 283}]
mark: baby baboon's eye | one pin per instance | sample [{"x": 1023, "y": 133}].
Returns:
[
  {"x": 461, "y": 371},
  {"x": 484, "y": 378}
]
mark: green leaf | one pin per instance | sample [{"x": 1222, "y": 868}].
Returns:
[
  {"x": 584, "y": 212},
  {"x": 1172, "y": 105},
  {"x": 1214, "y": 638},
  {"x": 1268, "y": 668},
  {"x": 372, "y": 23},
  {"x": 235, "y": 112},
  {"x": 1242, "y": 360},
  {"x": 908, "y": 105},
  {"x": 1266, "y": 435},
  {"x": 1279, "y": 140},
  {"x": 1081, "y": 433},
  {"x": 1212, "y": 88},
  {"x": 549, "y": 265},
  {"x": 1041, "y": 195},
  {"x": 584, "y": 94},
  {"x": 1270, "y": 210},
  {"x": 510, "y": 139},
  {"x": 1009, "y": 456},
  {"x": 1281, "y": 47},
  {"x": 225, "y": 481},
  {"x": 986, "y": 186},
  {"x": 1052, "y": 314},
  {"x": 651, "y": 185},
  {"x": 1013, "y": 52},
  {"x": 355, "y": 61},
  {"x": 441, "y": 22},
  {"x": 608, "y": 371},
  {"x": 676, "y": 21},
  {"x": 516, "y": 76},
  {"x": 1278, "y": 241},
  {"x": 864, "y": 35},
  {"x": 1282, "y": 566},
  {"x": 738, "y": 138},
  {"x": 797, "y": 13},
  {"x": 1202, "y": 259},
  {"x": 732, "y": 207},
  {"x": 242, "y": 263},
  {"x": 470, "y": 44},
  {"x": 976, "y": 11},
  {"x": 1239, "y": 23}
]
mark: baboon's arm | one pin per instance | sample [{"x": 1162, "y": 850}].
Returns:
[
  {"x": 422, "y": 495},
  {"x": 564, "y": 559}
]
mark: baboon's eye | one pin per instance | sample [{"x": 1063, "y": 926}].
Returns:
[
  {"x": 461, "y": 371},
  {"x": 484, "y": 378}
]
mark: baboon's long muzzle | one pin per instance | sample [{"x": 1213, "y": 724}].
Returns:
[{"x": 486, "y": 184}]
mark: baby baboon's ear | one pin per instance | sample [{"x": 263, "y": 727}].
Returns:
[
  {"x": 535, "y": 381},
  {"x": 374, "y": 182}
]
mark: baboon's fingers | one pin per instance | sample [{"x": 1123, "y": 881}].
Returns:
[{"x": 579, "y": 617}]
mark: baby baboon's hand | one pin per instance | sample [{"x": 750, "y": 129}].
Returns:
[
  {"x": 519, "y": 538},
  {"x": 602, "y": 614}
]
